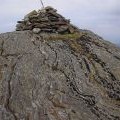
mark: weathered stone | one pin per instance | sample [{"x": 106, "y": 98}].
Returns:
[
  {"x": 58, "y": 77},
  {"x": 71, "y": 29},
  {"x": 47, "y": 30},
  {"x": 45, "y": 25},
  {"x": 36, "y": 30},
  {"x": 34, "y": 12},
  {"x": 26, "y": 19},
  {"x": 28, "y": 23},
  {"x": 49, "y": 8},
  {"x": 46, "y": 19},
  {"x": 62, "y": 29},
  {"x": 51, "y": 18},
  {"x": 54, "y": 14}
]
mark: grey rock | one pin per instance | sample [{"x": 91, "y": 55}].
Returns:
[
  {"x": 36, "y": 30},
  {"x": 49, "y": 8},
  {"x": 62, "y": 29},
  {"x": 34, "y": 12},
  {"x": 45, "y": 18},
  {"x": 42, "y": 78},
  {"x": 26, "y": 18}
]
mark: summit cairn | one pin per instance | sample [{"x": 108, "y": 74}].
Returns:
[{"x": 46, "y": 20}]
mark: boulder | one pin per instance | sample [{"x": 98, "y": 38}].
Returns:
[
  {"x": 62, "y": 29},
  {"x": 34, "y": 12},
  {"x": 36, "y": 30}
]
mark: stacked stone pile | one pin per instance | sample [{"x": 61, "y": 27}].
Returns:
[{"x": 46, "y": 20}]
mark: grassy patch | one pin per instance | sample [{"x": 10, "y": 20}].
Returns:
[{"x": 62, "y": 37}]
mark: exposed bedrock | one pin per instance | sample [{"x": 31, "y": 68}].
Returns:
[{"x": 58, "y": 77}]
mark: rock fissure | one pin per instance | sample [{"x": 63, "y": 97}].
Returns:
[
  {"x": 90, "y": 100},
  {"x": 7, "y": 102},
  {"x": 9, "y": 89}
]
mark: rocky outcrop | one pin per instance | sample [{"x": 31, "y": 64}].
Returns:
[
  {"x": 58, "y": 73},
  {"x": 46, "y": 20},
  {"x": 58, "y": 77}
]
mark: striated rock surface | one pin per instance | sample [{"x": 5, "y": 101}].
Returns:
[
  {"x": 58, "y": 77},
  {"x": 54, "y": 71}
]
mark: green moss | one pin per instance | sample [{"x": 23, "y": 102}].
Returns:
[
  {"x": 71, "y": 39},
  {"x": 73, "y": 36},
  {"x": 75, "y": 46}
]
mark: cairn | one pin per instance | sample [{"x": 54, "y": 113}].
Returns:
[{"x": 46, "y": 20}]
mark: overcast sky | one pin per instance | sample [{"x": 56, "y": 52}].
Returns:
[{"x": 100, "y": 16}]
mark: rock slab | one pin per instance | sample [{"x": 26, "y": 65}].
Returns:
[{"x": 42, "y": 78}]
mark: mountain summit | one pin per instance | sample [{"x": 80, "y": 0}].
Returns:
[
  {"x": 51, "y": 71},
  {"x": 46, "y": 20}
]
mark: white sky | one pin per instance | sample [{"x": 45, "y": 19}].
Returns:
[{"x": 100, "y": 16}]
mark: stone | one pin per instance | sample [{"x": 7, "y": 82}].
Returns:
[
  {"x": 47, "y": 30},
  {"x": 26, "y": 18},
  {"x": 49, "y": 8},
  {"x": 71, "y": 29},
  {"x": 36, "y": 30},
  {"x": 54, "y": 14},
  {"x": 62, "y": 29},
  {"x": 49, "y": 76},
  {"x": 34, "y": 12},
  {"x": 47, "y": 19}
]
